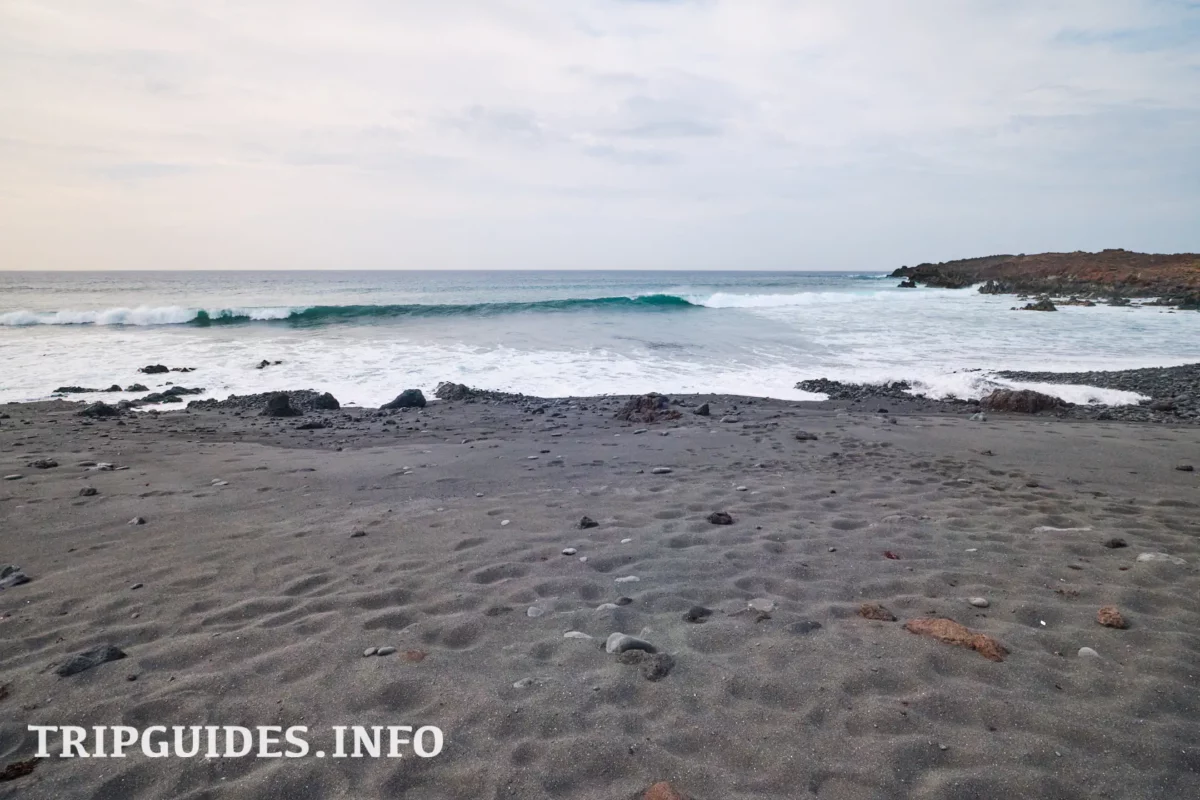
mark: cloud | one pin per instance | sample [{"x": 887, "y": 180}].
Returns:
[{"x": 594, "y": 133}]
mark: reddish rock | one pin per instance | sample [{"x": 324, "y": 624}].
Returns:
[
  {"x": 950, "y": 632},
  {"x": 1110, "y": 617},
  {"x": 648, "y": 408},
  {"x": 663, "y": 791},
  {"x": 1023, "y": 401},
  {"x": 415, "y": 655},
  {"x": 876, "y": 611}
]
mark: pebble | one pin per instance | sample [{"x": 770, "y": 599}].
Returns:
[
  {"x": 730, "y": 419},
  {"x": 88, "y": 491},
  {"x": 504, "y": 522},
  {"x": 627, "y": 579},
  {"x": 569, "y": 551},
  {"x": 136, "y": 586},
  {"x": 588, "y": 522},
  {"x": 370, "y": 651},
  {"x": 576, "y": 635},
  {"x": 655, "y": 471},
  {"x": 524, "y": 683},
  {"x": 583, "y": 559},
  {"x": 979, "y": 602},
  {"x": 1149, "y": 557},
  {"x": 12, "y": 477},
  {"x": 626, "y": 541},
  {"x": 697, "y": 614},
  {"x": 358, "y": 534},
  {"x": 1185, "y": 468},
  {"x": 606, "y": 606},
  {"x": 385, "y": 651},
  {"x": 1115, "y": 542},
  {"x": 762, "y": 604},
  {"x": 138, "y": 521},
  {"x": 620, "y": 642},
  {"x": 534, "y": 611},
  {"x": 742, "y": 489},
  {"x": 639, "y": 431},
  {"x": 1088, "y": 652}
]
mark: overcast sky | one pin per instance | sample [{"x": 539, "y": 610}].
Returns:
[{"x": 738, "y": 134}]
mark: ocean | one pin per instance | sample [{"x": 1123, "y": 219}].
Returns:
[{"x": 365, "y": 336}]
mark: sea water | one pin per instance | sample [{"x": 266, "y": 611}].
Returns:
[{"x": 365, "y": 336}]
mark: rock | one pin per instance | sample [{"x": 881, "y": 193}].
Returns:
[
  {"x": 805, "y": 436},
  {"x": 88, "y": 491},
  {"x": 81, "y": 662},
  {"x": 804, "y": 627},
  {"x": 763, "y": 604},
  {"x": 534, "y": 612},
  {"x": 663, "y": 791},
  {"x": 876, "y": 611},
  {"x": 701, "y": 410},
  {"x": 588, "y": 522},
  {"x": 950, "y": 632},
  {"x": 11, "y": 575},
  {"x": 907, "y": 283},
  {"x": 661, "y": 471},
  {"x": 409, "y": 398},
  {"x": 358, "y": 534},
  {"x": 1146, "y": 558},
  {"x": 1185, "y": 468},
  {"x": 312, "y": 425},
  {"x": 100, "y": 409},
  {"x": 414, "y": 656},
  {"x": 264, "y": 364},
  {"x": 576, "y": 635},
  {"x": 113, "y": 388},
  {"x": 279, "y": 405},
  {"x": 979, "y": 417},
  {"x": 385, "y": 651},
  {"x": 730, "y": 420},
  {"x": 657, "y": 666},
  {"x": 720, "y": 518},
  {"x": 44, "y": 463},
  {"x": 1162, "y": 405},
  {"x": 1022, "y": 401},
  {"x": 1045, "y": 304},
  {"x": 137, "y": 387},
  {"x": 620, "y": 642},
  {"x": 1087, "y": 652},
  {"x": 370, "y": 651},
  {"x": 627, "y": 579},
  {"x": 979, "y": 602},
  {"x": 525, "y": 683},
  {"x": 1110, "y": 617},
  {"x": 326, "y": 402},
  {"x": 154, "y": 369},
  {"x": 1115, "y": 542},
  {"x": 697, "y": 614},
  {"x": 453, "y": 391},
  {"x": 18, "y": 769},
  {"x": 138, "y": 521},
  {"x": 569, "y": 551},
  {"x": 13, "y": 477},
  {"x": 624, "y": 601},
  {"x": 651, "y": 407}
]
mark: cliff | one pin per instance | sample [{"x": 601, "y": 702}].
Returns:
[{"x": 1108, "y": 274}]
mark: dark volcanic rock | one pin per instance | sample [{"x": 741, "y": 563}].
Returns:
[
  {"x": 171, "y": 395},
  {"x": 264, "y": 364},
  {"x": 1024, "y": 401},
  {"x": 908, "y": 283},
  {"x": 409, "y": 398},
  {"x": 137, "y": 387},
  {"x": 720, "y": 518},
  {"x": 1045, "y": 304},
  {"x": 651, "y": 407},
  {"x": 154, "y": 369},
  {"x": 81, "y": 662},
  {"x": 697, "y": 614},
  {"x": 702, "y": 410},
  {"x": 74, "y": 390},
  {"x": 279, "y": 405},
  {"x": 588, "y": 522},
  {"x": 453, "y": 391},
  {"x": 302, "y": 399},
  {"x": 857, "y": 391},
  {"x": 11, "y": 575},
  {"x": 100, "y": 409},
  {"x": 325, "y": 402}
]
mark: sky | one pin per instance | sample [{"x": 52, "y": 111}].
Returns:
[{"x": 561, "y": 134}]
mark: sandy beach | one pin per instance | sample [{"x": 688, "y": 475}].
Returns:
[{"x": 269, "y": 558}]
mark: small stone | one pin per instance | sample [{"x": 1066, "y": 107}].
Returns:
[
  {"x": 656, "y": 471},
  {"x": 1115, "y": 542},
  {"x": 624, "y": 601},
  {"x": 639, "y": 431},
  {"x": 1152, "y": 557},
  {"x": 657, "y": 666},
  {"x": 505, "y": 522},
  {"x": 385, "y": 651},
  {"x": 742, "y": 489},
  {"x": 583, "y": 559},
  {"x": 1110, "y": 617},
  {"x": 730, "y": 419},
  {"x": 1185, "y": 468},
  {"x": 370, "y": 651},
  {"x": 626, "y": 541},
  {"x": 701, "y": 410},
  {"x": 979, "y": 602},
  {"x": 88, "y": 491},
  {"x": 876, "y": 611},
  {"x": 606, "y": 606},
  {"x": 588, "y": 522},
  {"x": 620, "y": 642},
  {"x": 88, "y": 659},
  {"x": 44, "y": 463},
  {"x": 12, "y": 477},
  {"x": 138, "y": 521},
  {"x": 524, "y": 683},
  {"x": 804, "y": 627},
  {"x": 534, "y": 612},
  {"x": 627, "y": 579},
  {"x": 720, "y": 518},
  {"x": 762, "y": 604},
  {"x": 576, "y": 635},
  {"x": 1087, "y": 652},
  {"x": 805, "y": 436},
  {"x": 358, "y": 534},
  {"x": 697, "y": 614},
  {"x": 569, "y": 551},
  {"x": 136, "y": 586}
]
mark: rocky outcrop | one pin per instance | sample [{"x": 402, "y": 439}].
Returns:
[
  {"x": 1022, "y": 401},
  {"x": 409, "y": 398},
  {"x": 279, "y": 405},
  {"x": 651, "y": 407},
  {"x": 1109, "y": 274},
  {"x": 154, "y": 369},
  {"x": 300, "y": 399},
  {"x": 1045, "y": 304}
]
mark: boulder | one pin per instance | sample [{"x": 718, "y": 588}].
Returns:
[
  {"x": 409, "y": 398},
  {"x": 908, "y": 283},
  {"x": 651, "y": 407},
  {"x": 453, "y": 391},
  {"x": 1024, "y": 401},
  {"x": 325, "y": 402},
  {"x": 137, "y": 387},
  {"x": 100, "y": 409},
  {"x": 154, "y": 369},
  {"x": 278, "y": 405},
  {"x": 1045, "y": 304}
]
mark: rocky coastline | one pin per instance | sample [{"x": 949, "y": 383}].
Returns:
[{"x": 1110, "y": 276}]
